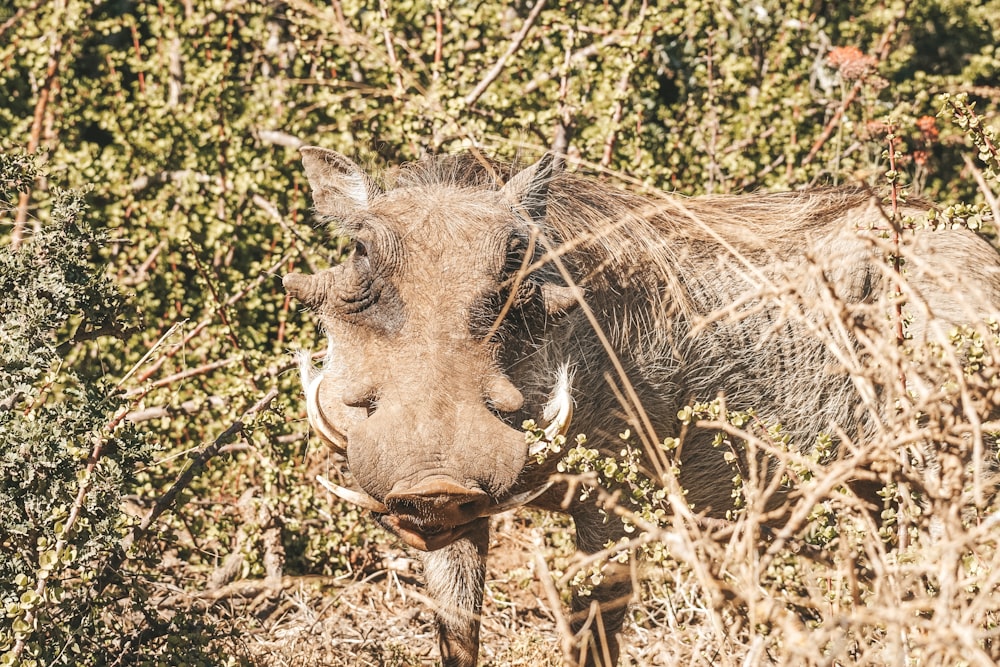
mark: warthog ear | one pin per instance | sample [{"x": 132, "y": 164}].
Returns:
[
  {"x": 338, "y": 185},
  {"x": 529, "y": 188}
]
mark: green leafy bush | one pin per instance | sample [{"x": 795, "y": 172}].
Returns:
[
  {"x": 67, "y": 458},
  {"x": 180, "y": 122}
]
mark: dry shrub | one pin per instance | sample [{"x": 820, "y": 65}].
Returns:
[{"x": 883, "y": 551}]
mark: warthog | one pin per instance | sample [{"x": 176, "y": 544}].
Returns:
[{"x": 477, "y": 296}]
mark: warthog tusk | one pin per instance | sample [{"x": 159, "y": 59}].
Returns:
[
  {"x": 312, "y": 380},
  {"x": 359, "y": 498},
  {"x": 558, "y": 412},
  {"x": 516, "y": 501}
]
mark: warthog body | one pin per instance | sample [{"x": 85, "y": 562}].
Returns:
[{"x": 476, "y": 298}]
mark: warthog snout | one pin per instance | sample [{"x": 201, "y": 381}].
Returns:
[
  {"x": 437, "y": 502},
  {"x": 434, "y": 512}
]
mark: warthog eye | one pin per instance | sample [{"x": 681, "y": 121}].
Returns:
[
  {"x": 517, "y": 258},
  {"x": 359, "y": 291}
]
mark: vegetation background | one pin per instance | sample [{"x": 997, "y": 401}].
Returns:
[{"x": 157, "y": 502}]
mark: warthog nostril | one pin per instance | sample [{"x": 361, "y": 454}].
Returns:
[{"x": 400, "y": 506}]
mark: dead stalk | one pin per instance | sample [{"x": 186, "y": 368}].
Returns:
[
  {"x": 898, "y": 320},
  {"x": 391, "y": 48},
  {"x": 501, "y": 62}
]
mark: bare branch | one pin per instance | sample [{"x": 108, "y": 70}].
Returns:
[
  {"x": 497, "y": 68},
  {"x": 264, "y": 275},
  {"x": 189, "y": 407},
  {"x": 577, "y": 57},
  {"x": 49, "y": 85},
  {"x": 142, "y": 182},
  {"x": 389, "y": 47},
  {"x": 984, "y": 187},
  {"x": 183, "y": 375},
  {"x": 280, "y": 138},
  {"x": 184, "y": 479}
]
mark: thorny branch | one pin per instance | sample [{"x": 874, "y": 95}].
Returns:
[{"x": 188, "y": 407}]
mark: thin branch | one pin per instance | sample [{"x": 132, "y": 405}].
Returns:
[
  {"x": 186, "y": 408},
  {"x": 834, "y": 122},
  {"x": 197, "y": 404},
  {"x": 579, "y": 56},
  {"x": 183, "y": 375},
  {"x": 712, "y": 111},
  {"x": 984, "y": 187},
  {"x": 512, "y": 48},
  {"x": 279, "y": 138},
  {"x": 895, "y": 221},
  {"x": 17, "y": 16},
  {"x": 565, "y": 119},
  {"x": 272, "y": 210},
  {"x": 438, "y": 40},
  {"x": 621, "y": 91},
  {"x": 389, "y": 47},
  {"x": 41, "y": 105},
  {"x": 882, "y": 53},
  {"x": 269, "y": 273}
]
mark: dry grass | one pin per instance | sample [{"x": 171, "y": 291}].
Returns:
[{"x": 858, "y": 603}]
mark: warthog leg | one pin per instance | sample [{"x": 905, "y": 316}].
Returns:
[
  {"x": 455, "y": 576},
  {"x": 597, "y": 618}
]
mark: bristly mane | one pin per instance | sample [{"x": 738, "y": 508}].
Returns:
[{"x": 618, "y": 240}]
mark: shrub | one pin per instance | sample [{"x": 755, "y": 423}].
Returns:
[
  {"x": 67, "y": 457},
  {"x": 182, "y": 119}
]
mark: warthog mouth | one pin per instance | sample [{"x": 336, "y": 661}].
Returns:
[
  {"x": 426, "y": 538},
  {"x": 417, "y": 534}
]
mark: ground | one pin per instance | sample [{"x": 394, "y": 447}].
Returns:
[{"x": 384, "y": 619}]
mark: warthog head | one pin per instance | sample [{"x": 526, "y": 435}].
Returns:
[{"x": 415, "y": 389}]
